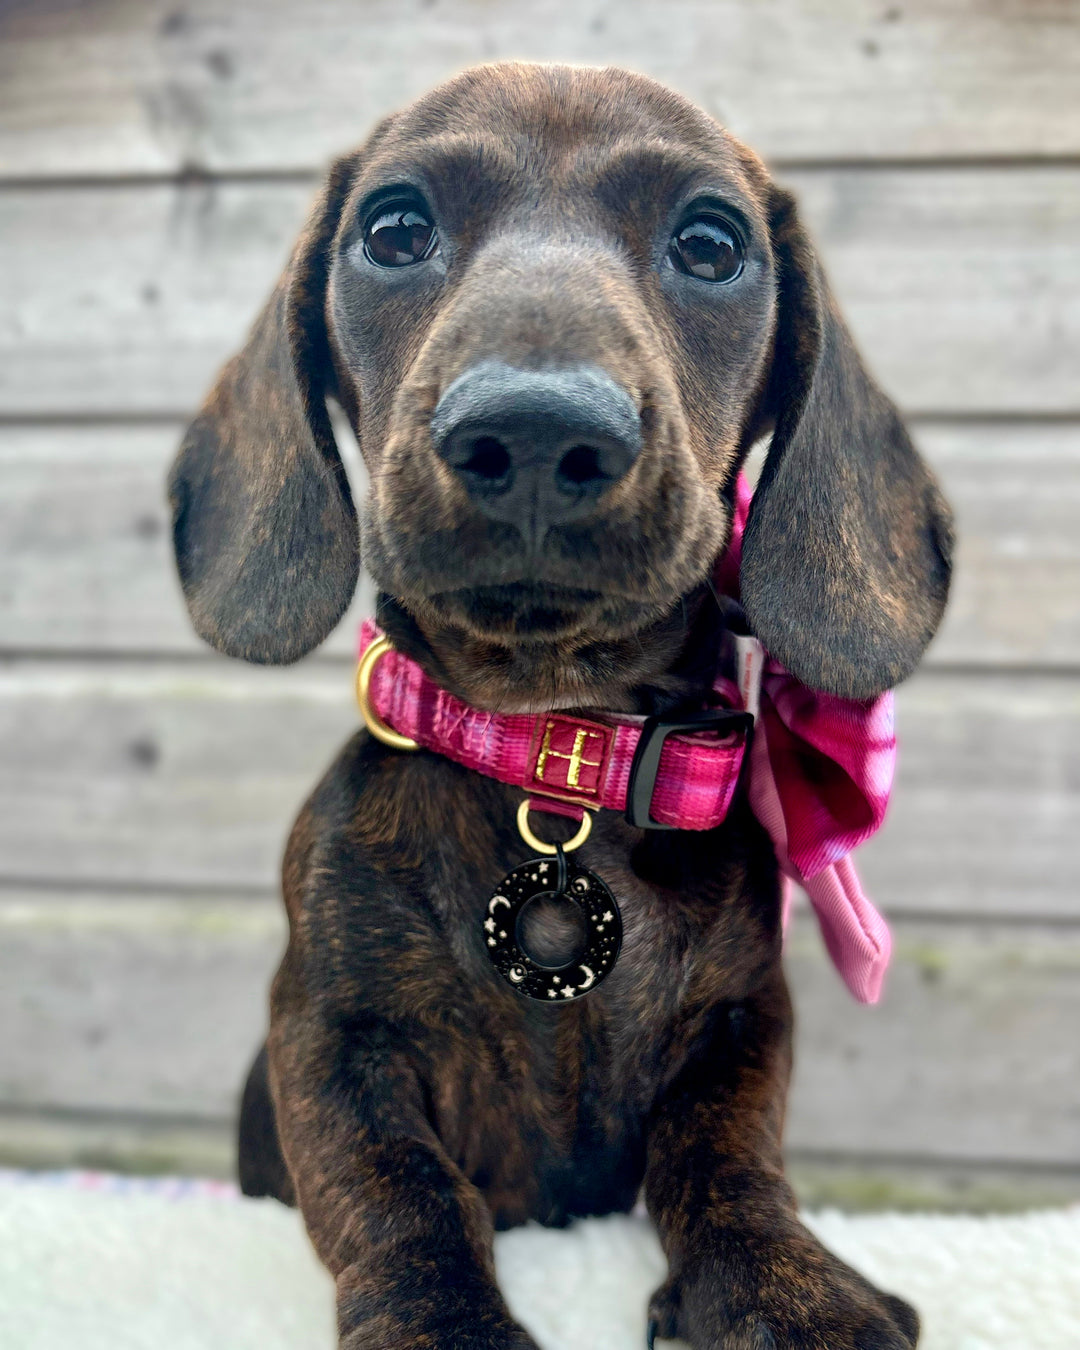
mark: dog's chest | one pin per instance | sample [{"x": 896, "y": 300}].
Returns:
[
  {"x": 542, "y": 1103},
  {"x": 544, "y": 1106}
]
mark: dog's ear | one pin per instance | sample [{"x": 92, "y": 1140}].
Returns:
[
  {"x": 263, "y": 524},
  {"x": 846, "y": 559}
]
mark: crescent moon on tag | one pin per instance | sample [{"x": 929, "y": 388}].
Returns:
[
  {"x": 590, "y": 981},
  {"x": 498, "y": 900}
]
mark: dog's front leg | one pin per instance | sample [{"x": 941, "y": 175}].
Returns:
[
  {"x": 744, "y": 1274},
  {"x": 406, "y": 1236}
]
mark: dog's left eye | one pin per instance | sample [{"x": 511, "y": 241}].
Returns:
[
  {"x": 399, "y": 235},
  {"x": 707, "y": 248}
]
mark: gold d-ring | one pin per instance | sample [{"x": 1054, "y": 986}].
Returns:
[
  {"x": 372, "y": 721},
  {"x": 538, "y": 844}
]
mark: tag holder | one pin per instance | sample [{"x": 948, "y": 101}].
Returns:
[{"x": 550, "y": 850}]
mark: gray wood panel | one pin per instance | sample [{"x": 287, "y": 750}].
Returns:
[
  {"x": 153, "y": 1006},
  {"x": 963, "y": 285},
  {"x": 88, "y": 553},
  {"x": 88, "y": 563},
  {"x": 190, "y": 774},
  {"x": 146, "y": 788},
  {"x": 971, "y": 1053},
  {"x": 181, "y": 774},
  {"x": 1016, "y": 589},
  {"x": 985, "y": 814},
  {"x": 50, "y": 1140},
  {"x": 131, "y": 86}
]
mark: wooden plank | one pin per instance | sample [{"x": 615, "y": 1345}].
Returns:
[
  {"x": 51, "y": 1141},
  {"x": 959, "y": 285},
  {"x": 127, "y": 298},
  {"x": 127, "y": 86},
  {"x": 190, "y": 774},
  {"x": 1016, "y": 493},
  {"x": 921, "y": 1185},
  {"x": 152, "y": 1005},
  {"x": 985, "y": 815},
  {"x": 968, "y": 1055},
  {"x": 88, "y": 563},
  {"x": 186, "y": 774}
]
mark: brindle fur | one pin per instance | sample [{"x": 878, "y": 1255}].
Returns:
[{"x": 408, "y": 1100}]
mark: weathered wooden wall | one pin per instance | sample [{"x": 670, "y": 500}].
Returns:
[{"x": 154, "y": 163}]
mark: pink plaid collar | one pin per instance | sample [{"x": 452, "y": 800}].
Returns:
[
  {"x": 563, "y": 758},
  {"x": 820, "y": 769}
]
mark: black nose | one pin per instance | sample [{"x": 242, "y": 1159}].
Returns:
[{"x": 534, "y": 448}]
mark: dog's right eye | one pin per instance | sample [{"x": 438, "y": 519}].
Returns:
[
  {"x": 398, "y": 235},
  {"x": 708, "y": 248}
]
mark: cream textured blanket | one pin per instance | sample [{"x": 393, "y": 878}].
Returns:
[{"x": 108, "y": 1265}]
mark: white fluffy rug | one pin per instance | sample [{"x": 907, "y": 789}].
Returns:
[{"x": 104, "y": 1264}]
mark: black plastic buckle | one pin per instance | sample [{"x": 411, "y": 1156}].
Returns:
[{"x": 646, "y": 765}]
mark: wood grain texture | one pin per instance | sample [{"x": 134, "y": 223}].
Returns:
[
  {"x": 155, "y": 1004},
  {"x": 152, "y": 86},
  {"x": 146, "y": 788},
  {"x": 88, "y": 563},
  {"x": 88, "y": 553},
  {"x": 962, "y": 285},
  {"x": 1016, "y": 588},
  {"x": 985, "y": 815},
  {"x": 143, "y": 1004},
  {"x": 190, "y": 775},
  {"x": 185, "y": 774},
  {"x": 50, "y": 1140},
  {"x": 969, "y": 1054}
]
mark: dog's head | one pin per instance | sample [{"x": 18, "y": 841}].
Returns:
[{"x": 558, "y": 306}]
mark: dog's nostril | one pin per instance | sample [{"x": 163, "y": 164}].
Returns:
[
  {"x": 580, "y": 466},
  {"x": 490, "y": 459}
]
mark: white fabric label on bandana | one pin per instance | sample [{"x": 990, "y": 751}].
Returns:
[{"x": 749, "y": 666}]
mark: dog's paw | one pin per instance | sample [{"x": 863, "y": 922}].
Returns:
[
  {"x": 454, "y": 1334},
  {"x": 757, "y": 1292}
]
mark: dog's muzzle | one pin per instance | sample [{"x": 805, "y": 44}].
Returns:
[{"x": 536, "y": 448}]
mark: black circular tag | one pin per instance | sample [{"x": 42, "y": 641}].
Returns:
[{"x": 603, "y": 929}]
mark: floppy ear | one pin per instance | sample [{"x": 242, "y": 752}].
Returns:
[
  {"x": 846, "y": 558},
  {"x": 264, "y": 528}
]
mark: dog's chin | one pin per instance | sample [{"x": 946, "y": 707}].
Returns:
[
  {"x": 533, "y": 648},
  {"x": 536, "y": 613}
]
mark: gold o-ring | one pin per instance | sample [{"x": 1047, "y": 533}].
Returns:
[
  {"x": 538, "y": 844},
  {"x": 372, "y": 721}
]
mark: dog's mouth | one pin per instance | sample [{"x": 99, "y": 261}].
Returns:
[
  {"x": 587, "y": 619},
  {"x": 531, "y": 612},
  {"x": 526, "y": 647}
]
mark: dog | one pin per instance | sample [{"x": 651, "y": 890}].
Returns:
[{"x": 557, "y": 306}]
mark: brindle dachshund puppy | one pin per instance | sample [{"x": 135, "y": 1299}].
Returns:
[{"x": 530, "y": 248}]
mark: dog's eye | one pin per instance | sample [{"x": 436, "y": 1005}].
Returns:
[
  {"x": 707, "y": 248},
  {"x": 398, "y": 235}
]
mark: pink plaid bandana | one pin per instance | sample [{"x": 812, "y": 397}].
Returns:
[{"x": 820, "y": 769}]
